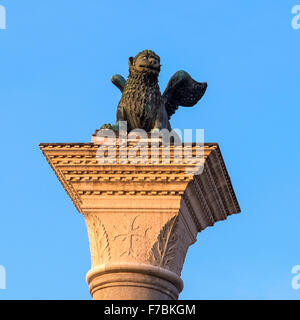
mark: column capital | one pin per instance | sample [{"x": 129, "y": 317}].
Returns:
[{"x": 142, "y": 217}]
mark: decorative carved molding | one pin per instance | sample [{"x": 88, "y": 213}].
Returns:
[
  {"x": 200, "y": 190},
  {"x": 132, "y": 192},
  {"x": 84, "y": 178},
  {"x": 222, "y": 172},
  {"x": 191, "y": 211},
  {"x": 125, "y": 177},
  {"x": 99, "y": 243}
]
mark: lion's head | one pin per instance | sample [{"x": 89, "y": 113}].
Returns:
[{"x": 146, "y": 62}]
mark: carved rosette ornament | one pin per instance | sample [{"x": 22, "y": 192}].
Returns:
[{"x": 142, "y": 218}]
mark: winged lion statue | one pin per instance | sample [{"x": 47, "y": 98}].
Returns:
[{"x": 142, "y": 105}]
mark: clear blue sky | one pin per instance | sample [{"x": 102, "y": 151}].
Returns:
[{"x": 56, "y": 61}]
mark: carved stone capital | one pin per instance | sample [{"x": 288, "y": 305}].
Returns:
[{"x": 141, "y": 218}]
